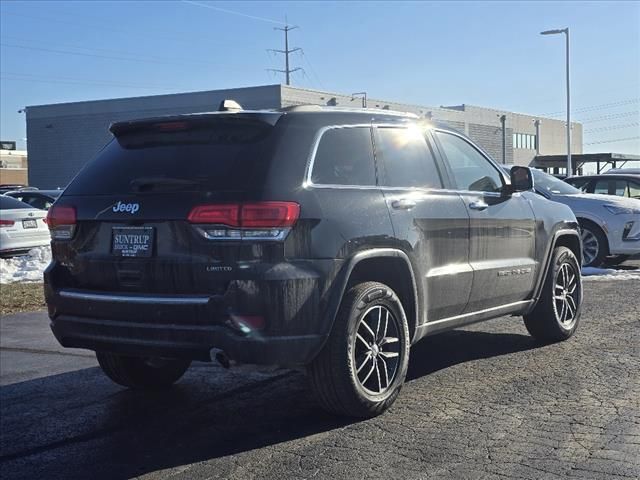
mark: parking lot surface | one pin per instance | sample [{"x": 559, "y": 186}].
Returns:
[{"x": 480, "y": 402}]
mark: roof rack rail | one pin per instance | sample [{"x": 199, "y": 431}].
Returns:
[
  {"x": 330, "y": 108},
  {"x": 301, "y": 108}
]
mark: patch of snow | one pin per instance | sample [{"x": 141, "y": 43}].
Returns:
[
  {"x": 593, "y": 273},
  {"x": 25, "y": 268}
]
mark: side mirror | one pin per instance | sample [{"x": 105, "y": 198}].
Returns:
[{"x": 521, "y": 179}]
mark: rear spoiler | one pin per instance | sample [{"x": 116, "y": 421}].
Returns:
[{"x": 174, "y": 123}]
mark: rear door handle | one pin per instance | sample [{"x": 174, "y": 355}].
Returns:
[
  {"x": 403, "y": 204},
  {"x": 478, "y": 205}
]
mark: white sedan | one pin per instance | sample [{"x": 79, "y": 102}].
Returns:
[
  {"x": 22, "y": 227},
  {"x": 610, "y": 225}
]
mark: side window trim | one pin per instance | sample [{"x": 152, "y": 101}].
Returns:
[
  {"x": 381, "y": 165},
  {"x": 308, "y": 181},
  {"x": 443, "y": 167},
  {"x": 491, "y": 162}
]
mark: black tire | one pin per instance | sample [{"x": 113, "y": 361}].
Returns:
[
  {"x": 595, "y": 246},
  {"x": 339, "y": 386},
  {"x": 142, "y": 373},
  {"x": 557, "y": 313},
  {"x": 614, "y": 260}
]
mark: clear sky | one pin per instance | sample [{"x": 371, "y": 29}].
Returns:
[{"x": 429, "y": 53}]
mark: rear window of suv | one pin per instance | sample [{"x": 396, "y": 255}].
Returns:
[
  {"x": 344, "y": 156},
  {"x": 224, "y": 156}
]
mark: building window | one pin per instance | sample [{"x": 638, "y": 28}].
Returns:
[{"x": 525, "y": 141}]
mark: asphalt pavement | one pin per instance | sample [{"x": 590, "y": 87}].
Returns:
[{"x": 480, "y": 402}]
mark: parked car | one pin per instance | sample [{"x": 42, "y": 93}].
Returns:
[
  {"x": 625, "y": 171},
  {"x": 22, "y": 227},
  {"x": 610, "y": 225},
  {"x": 281, "y": 238},
  {"x": 622, "y": 185},
  {"x": 7, "y": 187},
  {"x": 41, "y": 199}
]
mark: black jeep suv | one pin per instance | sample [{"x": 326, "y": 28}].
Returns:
[{"x": 318, "y": 237}]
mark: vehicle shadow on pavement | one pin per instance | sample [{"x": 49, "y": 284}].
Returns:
[
  {"x": 458, "y": 346},
  {"x": 79, "y": 425}
]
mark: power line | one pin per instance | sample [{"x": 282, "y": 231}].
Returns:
[
  {"x": 313, "y": 70},
  {"x": 286, "y": 52},
  {"x": 591, "y": 93},
  {"x": 612, "y": 116},
  {"x": 76, "y": 81},
  {"x": 591, "y": 108},
  {"x": 110, "y": 57},
  {"x": 612, "y": 127},
  {"x": 83, "y": 25},
  {"x": 232, "y": 12},
  {"x": 93, "y": 49},
  {"x": 613, "y": 140}
]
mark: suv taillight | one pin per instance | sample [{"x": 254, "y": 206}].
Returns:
[
  {"x": 237, "y": 221},
  {"x": 61, "y": 221}
]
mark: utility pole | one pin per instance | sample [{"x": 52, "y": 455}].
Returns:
[
  {"x": 503, "y": 121},
  {"x": 287, "y": 70}
]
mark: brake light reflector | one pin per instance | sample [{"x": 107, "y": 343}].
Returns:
[
  {"x": 269, "y": 214},
  {"x": 171, "y": 126},
  {"x": 61, "y": 221},
  {"x": 6, "y": 223},
  {"x": 224, "y": 214},
  {"x": 255, "y": 220}
]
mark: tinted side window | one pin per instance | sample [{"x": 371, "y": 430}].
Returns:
[
  {"x": 620, "y": 187},
  {"x": 602, "y": 187},
  {"x": 471, "y": 170},
  {"x": 634, "y": 190},
  {"x": 407, "y": 159},
  {"x": 580, "y": 183},
  {"x": 344, "y": 157}
]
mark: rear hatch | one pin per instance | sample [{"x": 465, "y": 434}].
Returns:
[{"x": 172, "y": 206}]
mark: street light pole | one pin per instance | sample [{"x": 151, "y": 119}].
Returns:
[{"x": 566, "y": 32}]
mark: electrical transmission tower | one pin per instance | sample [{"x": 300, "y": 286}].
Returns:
[{"x": 287, "y": 70}]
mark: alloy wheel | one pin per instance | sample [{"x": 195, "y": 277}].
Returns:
[
  {"x": 566, "y": 295},
  {"x": 377, "y": 349},
  {"x": 590, "y": 246}
]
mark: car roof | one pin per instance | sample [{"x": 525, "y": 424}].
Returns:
[
  {"x": 632, "y": 176},
  {"x": 45, "y": 193},
  {"x": 624, "y": 171},
  {"x": 323, "y": 114}
]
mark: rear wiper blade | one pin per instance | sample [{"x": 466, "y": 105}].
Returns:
[{"x": 145, "y": 184}]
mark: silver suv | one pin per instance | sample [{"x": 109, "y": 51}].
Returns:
[{"x": 610, "y": 224}]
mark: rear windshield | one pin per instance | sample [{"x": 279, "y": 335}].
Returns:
[
  {"x": 8, "y": 203},
  {"x": 225, "y": 156}
]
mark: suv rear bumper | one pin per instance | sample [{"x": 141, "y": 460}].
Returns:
[
  {"x": 183, "y": 341},
  {"x": 251, "y": 321}
]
